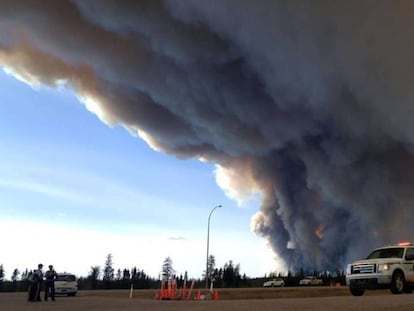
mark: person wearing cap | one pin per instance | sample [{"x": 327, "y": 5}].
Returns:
[{"x": 50, "y": 283}]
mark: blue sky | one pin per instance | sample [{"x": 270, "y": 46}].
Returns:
[{"x": 73, "y": 189}]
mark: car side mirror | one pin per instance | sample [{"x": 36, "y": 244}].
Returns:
[{"x": 409, "y": 257}]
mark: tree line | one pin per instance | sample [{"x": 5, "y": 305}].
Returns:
[{"x": 223, "y": 277}]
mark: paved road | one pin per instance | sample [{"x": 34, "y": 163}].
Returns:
[
  {"x": 16, "y": 302},
  {"x": 343, "y": 303}
]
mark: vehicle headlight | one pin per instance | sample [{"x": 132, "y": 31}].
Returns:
[{"x": 384, "y": 267}]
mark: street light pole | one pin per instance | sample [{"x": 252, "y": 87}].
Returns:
[{"x": 208, "y": 242}]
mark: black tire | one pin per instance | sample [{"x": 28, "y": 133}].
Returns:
[
  {"x": 408, "y": 289},
  {"x": 356, "y": 291},
  {"x": 397, "y": 283}
]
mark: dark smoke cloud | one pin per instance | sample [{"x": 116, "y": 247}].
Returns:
[{"x": 309, "y": 102}]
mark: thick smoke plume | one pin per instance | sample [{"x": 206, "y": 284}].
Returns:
[{"x": 309, "y": 102}]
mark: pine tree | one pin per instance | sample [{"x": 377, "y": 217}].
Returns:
[
  {"x": 134, "y": 273},
  {"x": 1, "y": 273},
  {"x": 126, "y": 275},
  {"x": 167, "y": 268},
  {"x": 211, "y": 265},
  {"x": 94, "y": 275},
  {"x": 231, "y": 274},
  {"x": 95, "y": 272},
  {"x": 25, "y": 274},
  {"x": 15, "y": 275},
  {"x": 108, "y": 270},
  {"x": 118, "y": 274}
]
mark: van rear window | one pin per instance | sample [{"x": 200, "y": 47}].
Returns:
[{"x": 66, "y": 278}]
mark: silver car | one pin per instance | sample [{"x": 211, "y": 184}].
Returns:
[{"x": 274, "y": 282}]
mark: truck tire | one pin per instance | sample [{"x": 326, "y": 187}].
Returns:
[
  {"x": 397, "y": 283},
  {"x": 356, "y": 291},
  {"x": 408, "y": 289}
]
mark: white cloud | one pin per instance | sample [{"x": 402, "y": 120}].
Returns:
[{"x": 45, "y": 189}]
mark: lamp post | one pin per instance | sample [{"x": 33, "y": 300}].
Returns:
[{"x": 208, "y": 242}]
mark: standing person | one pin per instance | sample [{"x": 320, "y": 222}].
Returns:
[
  {"x": 32, "y": 291},
  {"x": 39, "y": 274},
  {"x": 50, "y": 283}
]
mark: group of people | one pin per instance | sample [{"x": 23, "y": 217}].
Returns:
[{"x": 36, "y": 279}]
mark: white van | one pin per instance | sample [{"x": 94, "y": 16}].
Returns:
[{"x": 65, "y": 284}]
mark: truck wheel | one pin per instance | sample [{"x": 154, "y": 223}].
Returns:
[
  {"x": 397, "y": 284},
  {"x": 408, "y": 289},
  {"x": 356, "y": 291}
]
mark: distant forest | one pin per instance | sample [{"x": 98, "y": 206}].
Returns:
[{"x": 224, "y": 277}]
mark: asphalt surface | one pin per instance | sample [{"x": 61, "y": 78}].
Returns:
[{"x": 105, "y": 300}]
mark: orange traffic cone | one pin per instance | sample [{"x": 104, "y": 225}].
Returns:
[
  {"x": 216, "y": 297},
  {"x": 190, "y": 292},
  {"x": 199, "y": 295},
  {"x": 167, "y": 294},
  {"x": 183, "y": 296},
  {"x": 162, "y": 291},
  {"x": 174, "y": 292}
]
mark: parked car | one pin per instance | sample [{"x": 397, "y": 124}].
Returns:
[
  {"x": 274, "y": 282},
  {"x": 311, "y": 280},
  {"x": 66, "y": 284}
]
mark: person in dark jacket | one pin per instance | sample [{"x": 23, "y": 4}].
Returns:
[
  {"x": 32, "y": 290},
  {"x": 39, "y": 274},
  {"x": 35, "y": 282},
  {"x": 50, "y": 276}
]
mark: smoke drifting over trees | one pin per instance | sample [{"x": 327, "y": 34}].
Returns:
[{"x": 308, "y": 103}]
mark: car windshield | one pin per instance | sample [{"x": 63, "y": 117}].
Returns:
[
  {"x": 396, "y": 252},
  {"x": 66, "y": 278}
]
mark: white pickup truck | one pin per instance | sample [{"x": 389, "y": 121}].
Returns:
[{"x": 386, "y": 267}]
